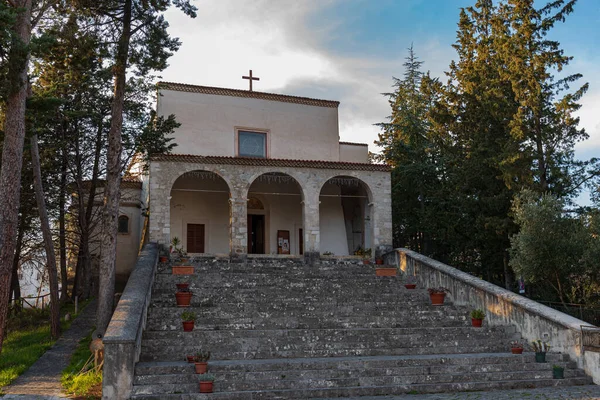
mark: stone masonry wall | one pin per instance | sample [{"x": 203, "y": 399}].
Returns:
[{"x": 163, "y": 175}]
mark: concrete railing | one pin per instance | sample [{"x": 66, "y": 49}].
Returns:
[
  {"x": 502, "y": 307},
  {"x": 122, "y": 340}
]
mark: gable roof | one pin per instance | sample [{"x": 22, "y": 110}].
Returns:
[
  {"x": 270, "y": 162},
  {"x": 182, "y": 87}
]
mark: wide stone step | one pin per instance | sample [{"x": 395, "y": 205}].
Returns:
[
  {"x": 254, "y": 296},
  {"x": 255, "y": 349},
  {"x": 329, "y": 392},
  {"x": 294, "y": 308},
  {"x": 342, "y": 335},
  {"x": 240, "y": 379},
  {"x": 208, "y": 319},
  {"x": 435, "y": 363}
]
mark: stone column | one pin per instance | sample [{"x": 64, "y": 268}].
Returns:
[
  {"x": 238, "y": 226},
  {"x": 160, "y": 205},
  {"x": 382, "y": 217},
  {"x": 312, "y": 234}
]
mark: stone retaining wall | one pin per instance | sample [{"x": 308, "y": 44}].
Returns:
[
  {"x": 502, "y": 307},
  {"x": 122, "y": 340}
]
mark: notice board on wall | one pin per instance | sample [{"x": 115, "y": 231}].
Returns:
[{"x": 283, "y": 242}]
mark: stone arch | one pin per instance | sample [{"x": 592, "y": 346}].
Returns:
[
  {"x": 186, "y": 168},
  {"x": 278, "y": 228},
  {"x": 346, "y": 215},
  {"x": 255, "y": 175},
  {"x": 200, "y": 211}
]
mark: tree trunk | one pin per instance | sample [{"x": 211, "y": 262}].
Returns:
[
  {"x": 83, "y": 268},
  {"x": 12, "y": 153},
  {"x": 508, "y": 282},
  {"x": 61, "y": 221},
  {"x": 15, "y": 285},
  {"x": 48, "y": 244},
  {"x": 113, "y": 180}
]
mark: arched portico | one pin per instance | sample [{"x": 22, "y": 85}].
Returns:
[
  {"x": 310, "y": 196},
  {"x": 275, "y": 224},
  {"x": 345, "y": 215},
  {"x": 200, "y": 212}
]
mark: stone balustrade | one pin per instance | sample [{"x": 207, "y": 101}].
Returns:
[
  {"x": 122, "y": 340},
  {"x": 502, "y": 307}
]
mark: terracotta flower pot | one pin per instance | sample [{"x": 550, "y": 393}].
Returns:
[
  {"x": 379, "y": 261},
  {"x": 163, "y": 259},
  {"x": 517, "y": 350},
  {"x": 183, "y": 299},
  {"x": 410, "y": 285},
  {"x": 206, "y": 387},
  {"x": 182, "y": 270},
  {"x": 476, "y": 322},
  {"x": 188, "y": 326},
  {"x": 184, "y": 259},
  {"x": 437, "y": 299},
  {"x": 386, "y": 271},
  {"x": 190, "y": 359},
  {"x": 182, "y": 286},
  {"x": 201, "y": 367},
  {"x": 366, "y": 262}
]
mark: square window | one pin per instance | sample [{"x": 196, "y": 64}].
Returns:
[{"x": 252, "y": 144}]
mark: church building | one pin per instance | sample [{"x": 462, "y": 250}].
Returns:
[{"x": 263, "y": 173}]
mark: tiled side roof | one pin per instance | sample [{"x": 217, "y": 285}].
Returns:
[
  {"x": 270, "y": 162},
  {"x": 182, "y": 87},
  {"x": 355, "y": 144}
]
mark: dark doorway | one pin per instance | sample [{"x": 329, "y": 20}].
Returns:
[
  {"x": 256, "y": 234},
  {"x": 195, "y": 238}
]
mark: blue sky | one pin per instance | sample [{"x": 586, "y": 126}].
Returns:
[{"x": 348, "y": 50}]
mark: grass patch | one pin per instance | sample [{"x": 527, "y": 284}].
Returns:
[
  {"x": 80, "y": 377},
  {"x": 27, "y": 339}
]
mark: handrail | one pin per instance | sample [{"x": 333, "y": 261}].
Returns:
[{"x": 122, "y": 340}]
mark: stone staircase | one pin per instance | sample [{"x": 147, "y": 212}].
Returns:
[{"x": 277, "y": 328}]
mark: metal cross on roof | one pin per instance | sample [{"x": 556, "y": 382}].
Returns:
[{"x": 251, "y": 78}]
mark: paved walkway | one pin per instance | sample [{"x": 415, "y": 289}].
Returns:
[
  {"x": 42, "y": 380},
  {"x": 589, "y": 392}
]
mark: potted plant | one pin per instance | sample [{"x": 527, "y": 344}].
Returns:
[
  {"x": 180, "y": 269},
  {"x": 516, "y": 347},
  {"x": 183, "y": 296},
  {"x": 437, "y": 295},
  {"x": 176, "y": 248},
  {"x": 188, "y": 318},
  {"x": 540, "y": 349},
  {"x": 410, "y": 282},
  {"x": 163, "y": 258},
  {"x": 379, "y": 261},
  {"x": 365, "y": 254},
  {"x": 190, "y": 359},
  {"x": 477, "y": 317},
  {"x": 201, "y": 361},
  {"x": 206, "y": 383},
  {"x": 558, "y": 372}
]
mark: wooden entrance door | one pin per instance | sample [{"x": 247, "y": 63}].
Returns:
[
  {"x": 256, "y": 234},
  {"x": 195, "y": 238}
]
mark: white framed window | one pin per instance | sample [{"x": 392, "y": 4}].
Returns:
[{"x": 251, "y": 143}]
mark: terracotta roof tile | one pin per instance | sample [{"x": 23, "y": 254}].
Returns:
[
  {"x": 182, "y": 87},
  {"x": 270, "y": 162},
  {"x": 355, "y": 144}
]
